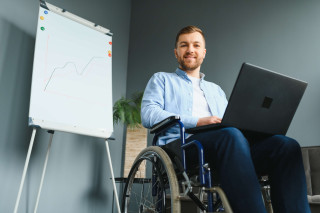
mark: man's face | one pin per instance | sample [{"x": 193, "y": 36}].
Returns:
[{"x": 190, "y": 51}]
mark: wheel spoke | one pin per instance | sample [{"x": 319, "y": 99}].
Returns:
[{"x": 140, "y": 187}]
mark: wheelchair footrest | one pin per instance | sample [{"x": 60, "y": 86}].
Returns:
[
  {"x": 195, "y": 199},
  {"x": 192, "y": 197}
]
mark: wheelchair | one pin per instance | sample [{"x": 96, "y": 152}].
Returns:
[{"x": 159, "y": 179}]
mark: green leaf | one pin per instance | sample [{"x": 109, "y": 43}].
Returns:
[{"x": 127, "y": 111}]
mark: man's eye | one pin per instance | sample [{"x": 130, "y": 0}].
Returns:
[{"x": 183, "y": 45}]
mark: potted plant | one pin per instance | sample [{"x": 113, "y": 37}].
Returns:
[{"x": 127, "y": 112}]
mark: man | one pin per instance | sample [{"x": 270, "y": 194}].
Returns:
[{"x": 236, "y": 156}]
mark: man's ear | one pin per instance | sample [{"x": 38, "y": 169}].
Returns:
[
  {"x": 175, "y": 52},
  {"x": 205, "y": 52}
]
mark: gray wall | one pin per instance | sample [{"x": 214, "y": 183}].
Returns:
[
  {"x": 280, "y": 35},
  {"x": 78, "y": 175}
]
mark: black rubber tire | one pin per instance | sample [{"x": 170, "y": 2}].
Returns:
[{"x": 137, "y": 195}]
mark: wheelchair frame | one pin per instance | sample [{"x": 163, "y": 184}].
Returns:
[
  {"x": 204, "y": 169},
  {"x": 155, "y": 154}
]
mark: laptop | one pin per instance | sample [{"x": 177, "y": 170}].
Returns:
[{"x": 261, "y": 101}]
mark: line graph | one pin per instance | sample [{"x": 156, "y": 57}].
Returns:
[{"x": 75, "y": 67}]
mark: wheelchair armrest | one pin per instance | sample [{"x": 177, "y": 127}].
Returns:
[{"x": 166, "y": 123}]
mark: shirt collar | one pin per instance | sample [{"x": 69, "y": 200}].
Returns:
[{"x": 183, "y": 74}]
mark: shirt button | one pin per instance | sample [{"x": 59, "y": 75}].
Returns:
[{"x": 189, "y": 109}]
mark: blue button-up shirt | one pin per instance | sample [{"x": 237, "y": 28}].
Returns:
[{"x": 171, "y": 94}]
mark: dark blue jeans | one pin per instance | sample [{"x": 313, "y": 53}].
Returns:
[{"x": 238, "y": 157}]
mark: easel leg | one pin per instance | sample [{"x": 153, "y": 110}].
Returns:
[
  {"x": 25, "y": 169},
  {"x": 112, "y": 176},
  {"x": 44, "y": 170}
]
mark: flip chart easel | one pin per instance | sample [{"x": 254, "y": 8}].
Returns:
[{"x": 71, "y": 83}]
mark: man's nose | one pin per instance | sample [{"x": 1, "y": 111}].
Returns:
[{"x": 190, "y": 49}]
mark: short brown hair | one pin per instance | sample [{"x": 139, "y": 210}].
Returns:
[{"x": 187, "y": 30}]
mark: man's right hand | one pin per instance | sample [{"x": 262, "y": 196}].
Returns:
[{"x": 208, "y": 120}]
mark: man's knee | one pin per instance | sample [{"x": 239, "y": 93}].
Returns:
[
  {"x": 232, "y": 133},
  {"x": 234, "y": 136},
  {"x": 289, "y": 145}
]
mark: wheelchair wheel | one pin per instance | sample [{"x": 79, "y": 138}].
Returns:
[{"x": 152, "y": 184}]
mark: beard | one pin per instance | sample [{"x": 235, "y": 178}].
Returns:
[{"x": 187, "y": 66}]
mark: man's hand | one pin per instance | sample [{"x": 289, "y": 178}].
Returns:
[{"x": 208, "y": 120}]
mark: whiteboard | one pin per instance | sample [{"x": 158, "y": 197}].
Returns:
[{"x": 71, "y": 87}]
